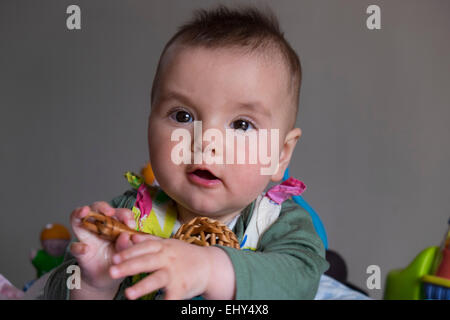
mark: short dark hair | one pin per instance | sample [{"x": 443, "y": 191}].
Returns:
[{"x": 248, "y": 28}]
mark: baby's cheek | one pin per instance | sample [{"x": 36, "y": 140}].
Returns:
[
  {"x": 258, "y": 148},
  {"x": 161, "y": 161},
  {"x": 160, "y": 149},
  {"x": 247, "y": 180},
  {"x": 156, "y": 137}
]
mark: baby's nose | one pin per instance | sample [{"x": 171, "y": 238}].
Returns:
[
  {"x": 200, "y": 145},
  {"x": 207, "y": 140}
]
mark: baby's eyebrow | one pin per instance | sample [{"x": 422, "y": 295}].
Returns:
[
  {"x": 257, "y": 107},
  {"x": 173, "y": 95}
]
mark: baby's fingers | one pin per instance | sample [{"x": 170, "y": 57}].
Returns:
[
  {"x": 78, "y": 214},
  {"x": 130, "y": 267},
  {"x": 152, "y": 282},
  {"x": 137, "y": 238},
  {"x": 125, "y": 216},
  {"x": 139, "y": 249},
  {"x": 75, "y": 221},
  {"x": 123, "y": 242},
  {"x": 173, "y": 295},
  {"x": 103, "y": 207}
]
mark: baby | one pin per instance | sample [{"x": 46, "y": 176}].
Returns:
[{"x": 232, "y": 72}]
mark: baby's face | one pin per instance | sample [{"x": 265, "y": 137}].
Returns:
[{"x": 224, "y": 89}]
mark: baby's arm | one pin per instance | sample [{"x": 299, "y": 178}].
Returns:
[
  {"x": 288, "y": 263},
  {"x": 222, "y": 282}
]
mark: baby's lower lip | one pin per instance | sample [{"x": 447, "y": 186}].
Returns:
[{"x": 203, "y": 181}]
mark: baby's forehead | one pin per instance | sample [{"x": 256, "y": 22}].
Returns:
[
  {"x": 183, "y": 66},
  {"x": 267, "y": 55},
  {"x": 223, "y": 59}
]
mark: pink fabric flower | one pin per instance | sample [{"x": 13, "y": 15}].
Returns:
[
  {"x": 143, "y": 201},
  {"x": 290, "y": 187}
]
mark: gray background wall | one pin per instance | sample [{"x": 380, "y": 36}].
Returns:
[{"x": 375, "y": 107}]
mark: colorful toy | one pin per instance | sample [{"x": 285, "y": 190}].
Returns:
[
  {"x": 54, "y": 240},
  {"x": 437, "y": 285},
  {"x": 149, "y": 176},
  {"x": 106, "y": 227},
  {"x": 201, "y": 231},
  {"x": 426, "y": 277}
]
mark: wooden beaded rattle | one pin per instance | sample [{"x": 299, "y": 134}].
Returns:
[
  {"x": 204, "y": 231},
  {"x": 201, "y": 231},
  {"x": 106, "y": 227}
]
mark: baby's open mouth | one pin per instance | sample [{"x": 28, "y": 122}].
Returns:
[
  {"x": 205, "y": 174},
  {"x": 204, "y": 178}
]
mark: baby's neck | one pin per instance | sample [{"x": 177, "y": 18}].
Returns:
[{"x": 184, "y": 215}]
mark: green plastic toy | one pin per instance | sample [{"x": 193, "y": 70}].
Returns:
[
  {"x": 427, "y": 277},
  {"x": 406, "y": 284}
]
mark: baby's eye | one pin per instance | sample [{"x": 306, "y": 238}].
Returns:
[
  {"x": 181, "y": 116},
  {"x": 242, "y": 124}
]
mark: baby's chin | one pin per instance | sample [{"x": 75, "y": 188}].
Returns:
[
  {"x": 208, "y": 208},
  {"x": 216, "y": 203}
]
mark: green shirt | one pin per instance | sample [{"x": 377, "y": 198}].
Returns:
[{"x": 288, "y": 262}]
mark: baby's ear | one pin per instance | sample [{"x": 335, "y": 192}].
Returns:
[{"x": 286, "y": 153}]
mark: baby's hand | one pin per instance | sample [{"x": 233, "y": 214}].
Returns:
[
  {"x": 94, "y": 253},
  {"x": 183, "y": 270}
]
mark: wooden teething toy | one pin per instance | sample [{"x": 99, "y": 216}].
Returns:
[
  {"x": 204, "y": 231},
  {"x": 201, "y": 231},
  {"x": 106, "y": 227}
]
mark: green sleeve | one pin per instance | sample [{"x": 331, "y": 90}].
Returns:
[
  {"x": 288, "y": 262},
  {"x": 56, "y": 285},
  {"x": 125, "y": 200}
]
